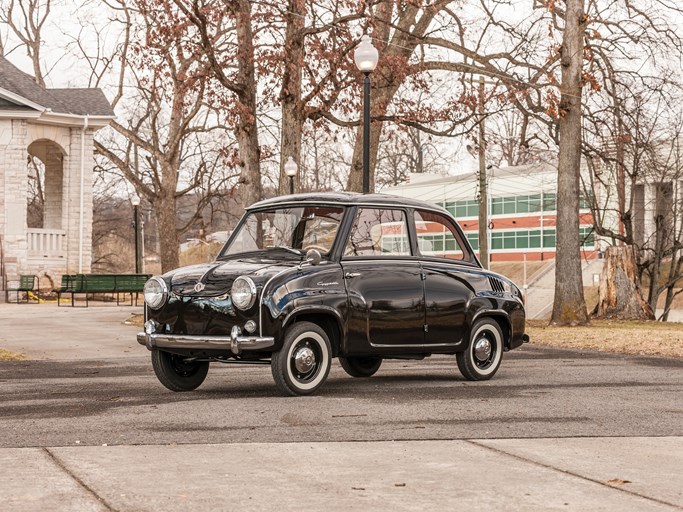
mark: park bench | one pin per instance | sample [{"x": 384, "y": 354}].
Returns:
[
  {"x": 90, "y": 284},
  {"x": 27, "y": 284},
  {"x": 71, "y": 283},
  {"x": 131, "y": 284}
]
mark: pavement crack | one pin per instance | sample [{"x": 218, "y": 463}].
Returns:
[
  {"x": 62, "y": 465},
  {"x": 571, "y": 473}
]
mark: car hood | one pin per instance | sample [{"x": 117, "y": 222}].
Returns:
[{"x": 216, "y": 278}]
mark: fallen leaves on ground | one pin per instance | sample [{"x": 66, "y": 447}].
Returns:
[
  {"x": 627, "y": 337},
  {"x": 6, "y": 355},
  {"x": 618, "y": 481}
]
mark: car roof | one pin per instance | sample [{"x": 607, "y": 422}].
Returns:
[{"x": 346, "y": 199}]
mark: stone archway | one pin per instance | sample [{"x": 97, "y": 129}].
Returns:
[{"x": 46, "y": 185}]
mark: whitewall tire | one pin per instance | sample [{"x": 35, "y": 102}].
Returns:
[
  {"x": 303, "y": 363},
  {"x": 482, "y": 358}
]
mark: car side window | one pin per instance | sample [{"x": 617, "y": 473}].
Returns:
[
  {"x": 378, "y": 232},
  {"x": 438, "y": 237}
]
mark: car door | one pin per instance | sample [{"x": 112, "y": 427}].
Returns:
[
  {"x": 384, "y": 285},
  {"x": 444, "y": 258}
]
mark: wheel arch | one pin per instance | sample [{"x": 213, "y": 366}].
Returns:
[
  {"x": 327, "y": 318},
  {"x": 501, "y": 318}
]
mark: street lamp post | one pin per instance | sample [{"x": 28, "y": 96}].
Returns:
[
  {"x": 290, "y": 170},
  {"x": 135, "y": 201},
  {"x": 366, "y": 56}
]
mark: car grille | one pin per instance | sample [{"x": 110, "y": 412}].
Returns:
[{"x": 496, "y": 284}]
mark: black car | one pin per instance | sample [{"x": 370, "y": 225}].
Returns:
[{"x": 309, "y": 277}]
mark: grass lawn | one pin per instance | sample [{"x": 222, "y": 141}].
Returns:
[
  {"x": 6, "y": 355},
  {"x": 635, "y": 338}
]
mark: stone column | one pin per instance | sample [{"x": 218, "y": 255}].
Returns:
[
  {"x": 54, "y": 177},
  {"x": 72, "y": 192},
  {"x": 13, "y": 158}
]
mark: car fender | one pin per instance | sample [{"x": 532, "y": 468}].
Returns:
[
  {"x": 316, "y": 309},
  {"x": 310, "y": 290},
  {"x": 477, "y": 310}
]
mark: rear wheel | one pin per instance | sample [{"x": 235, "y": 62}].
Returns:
[
  {"x": 303, "y": 363},
  {"x": 176, "y": 372},
  {"x": 360, "y": 366},
  {"x": 481, "y": 359}
]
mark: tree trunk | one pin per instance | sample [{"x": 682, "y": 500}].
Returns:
[
  {"x": 620, "y": 296},
  {"x": 247, "y": 132},
  {"x": 290, "y": 95},
  {"x": 569, "y": 307},
  {"x": 165, "y": 209}
]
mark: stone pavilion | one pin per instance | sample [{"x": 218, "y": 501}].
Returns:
[{"x": 56, "y": 127}]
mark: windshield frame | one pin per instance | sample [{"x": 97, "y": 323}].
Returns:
[{"x": 273, "y": 250}]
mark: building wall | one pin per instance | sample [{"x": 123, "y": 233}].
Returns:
[{"x": 522, "y": 210}]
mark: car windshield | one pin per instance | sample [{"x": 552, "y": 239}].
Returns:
[{"x": 290, "y": 230}]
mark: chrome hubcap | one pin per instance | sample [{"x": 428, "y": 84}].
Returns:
[
  {"x": 304, "y": 360},
  {"x": 482, "y": 349}
]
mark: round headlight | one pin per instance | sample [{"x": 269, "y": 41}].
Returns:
[
  {"x": 155, "y": 292},
  {"x": 243, "y": 293}
]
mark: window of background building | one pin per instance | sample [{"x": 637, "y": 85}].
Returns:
[
  {"x": 463, "y": 208},
  {"x": 531, "y": 239},
  {"x": 510, "y": 205}
]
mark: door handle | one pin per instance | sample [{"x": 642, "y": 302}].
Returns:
[{"x": 349, "y": 275}]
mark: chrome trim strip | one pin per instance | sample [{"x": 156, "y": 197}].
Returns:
[
  {"x": 236, "y": 344},
  {"x": 419, "y": 345}
]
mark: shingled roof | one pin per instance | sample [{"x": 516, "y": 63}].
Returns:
[{"x": 61, "y": 101}]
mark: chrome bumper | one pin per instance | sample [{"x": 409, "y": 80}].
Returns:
[{"x": 236, "y": 344}]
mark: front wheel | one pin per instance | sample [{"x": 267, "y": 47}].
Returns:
[
  {"x": 176, "y": 372},
  {"x": 481, "y": 359},
  {"x": 360, "y": 366},
  {"x": 301, "y": 366}
]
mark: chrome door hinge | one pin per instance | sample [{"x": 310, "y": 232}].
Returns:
[
  {"x": 423, "y": 276},
  {"x": 426, "y": 328}
]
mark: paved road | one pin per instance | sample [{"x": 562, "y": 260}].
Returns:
[
  {"x": 86, "y": 426},
  {"x": 537, "y": 393}
]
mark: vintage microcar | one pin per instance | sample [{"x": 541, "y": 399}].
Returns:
[{"x": 309, "y": 277}]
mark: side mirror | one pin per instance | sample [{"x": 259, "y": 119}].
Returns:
[{"x": 313, "y": 257}]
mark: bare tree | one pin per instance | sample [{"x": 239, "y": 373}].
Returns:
[
  {"x": 172, "y": 141},
  {"x": 569, "y": 306},
  {"x": 26, "y": 19},
  {"x": 36, "y": 193}
]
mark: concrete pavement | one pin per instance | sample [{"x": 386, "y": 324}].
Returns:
[
  {"x": 45, "y": 331},
  {"x": 507, "y": 473},
  {"x": 608, "y": 474}
]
